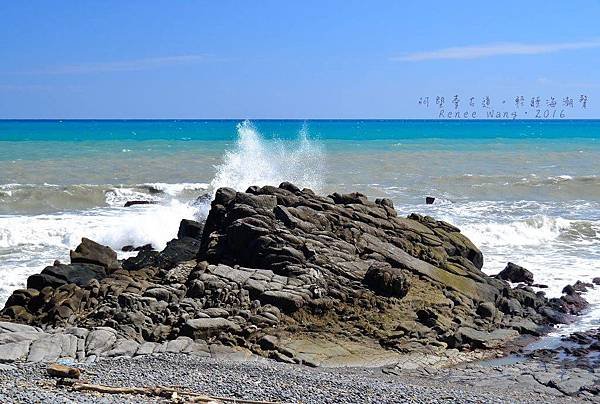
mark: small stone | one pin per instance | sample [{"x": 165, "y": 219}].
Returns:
[{"x": 63, "y": 371}]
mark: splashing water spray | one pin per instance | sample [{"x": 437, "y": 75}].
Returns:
[{"x": 257, "y": 161}]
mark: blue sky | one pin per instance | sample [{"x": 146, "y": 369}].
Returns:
[{"x": 284, "y": 59}]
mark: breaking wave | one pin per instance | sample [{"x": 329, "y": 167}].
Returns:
[
  {"x": 529, "y": 232},
  {"x": 258, "y": 161}
]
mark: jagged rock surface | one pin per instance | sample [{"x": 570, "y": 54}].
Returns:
[{"x": 284, "y": 262}]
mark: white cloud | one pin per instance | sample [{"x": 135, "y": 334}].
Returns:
[
  {"x": 498, "y": 49},
  {"x": 123, "y": 65}
]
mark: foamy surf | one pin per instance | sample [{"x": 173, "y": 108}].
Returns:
[
  {"x": 28, "y": 243},
  {"x": 257, "y": 161}
]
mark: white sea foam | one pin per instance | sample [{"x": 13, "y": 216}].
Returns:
[
  {"x": 531, "y": 232},
  {"x": 257, "y": 161},
  {"x": 28, "y": 243},
  {"x": 154, "y": 224}
]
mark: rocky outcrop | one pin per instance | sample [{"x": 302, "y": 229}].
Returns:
[{"x": 282, "y": 264}]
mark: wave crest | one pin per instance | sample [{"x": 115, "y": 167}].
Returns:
[
  {"x": 257, "y": 161},
  {"x": 535, "y": 231}
]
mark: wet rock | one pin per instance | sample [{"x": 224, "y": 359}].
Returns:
[
  {"x": 141, "y": 260},
  {"x": 130, "y": 248},
  {"x": 133, "y": 203},
  {"x": 429, "y": 200},
  {"x": 515, "y": 273},
  {"x": 90, "y": 252},
  {"x": 582, "y": 287},
  {"x": 55, "y": 276},
  {"x": 190, "y": 228},
  {"x": 574, "y": 303},
  {"x": 203, "y": 199}
]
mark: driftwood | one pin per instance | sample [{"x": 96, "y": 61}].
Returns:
[{"x": 174, "y": 394}]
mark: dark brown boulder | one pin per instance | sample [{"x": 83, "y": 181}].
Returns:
[
  {"x": 55, "y": 276},
  {"x": 90, "y": 252},
  {"x": 515, "y": 273},
  {"x": 190, "y": 228}
]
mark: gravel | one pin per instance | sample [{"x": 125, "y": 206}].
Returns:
[{"x": 254, "y": 380}]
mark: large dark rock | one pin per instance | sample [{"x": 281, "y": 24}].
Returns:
[
  {"x": 55, "y": 276},
  {"x": 190, "y": 228},
  {"x": 141, "y": 260},
  {"x": 515, "y": 273},
  {"x": 344, "y": 250},
  {"x": 178, "y": 250},
  {"x": 90, "y": 252}
]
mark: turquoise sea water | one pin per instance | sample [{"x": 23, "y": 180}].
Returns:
[{"x": 525, "y": 191}]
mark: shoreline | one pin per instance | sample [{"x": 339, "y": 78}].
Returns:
[{"x": 279, "y": 382}]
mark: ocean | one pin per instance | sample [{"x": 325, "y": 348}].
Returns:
[{"x": 523, "y": 191}]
